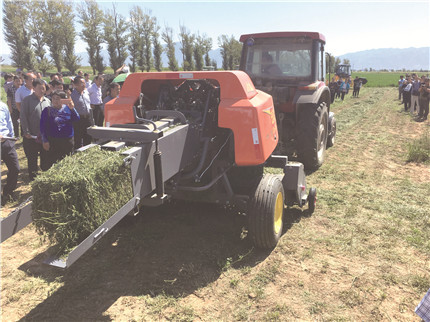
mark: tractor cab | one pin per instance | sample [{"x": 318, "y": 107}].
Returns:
[
  {"x": 343, "y": 71},
  {"x": 284, "y": 57}
]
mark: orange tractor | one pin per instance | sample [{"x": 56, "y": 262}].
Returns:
[{"x": 199, "y": 136}]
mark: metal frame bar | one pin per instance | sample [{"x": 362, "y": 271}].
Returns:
[
  {"x": 95, "y": 236},
  {"x": 17, "y": 220}
]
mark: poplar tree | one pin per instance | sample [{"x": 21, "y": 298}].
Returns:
[
  {"x": 158, "y": 50},
  {"x": 230, "y": 50},
  {"x": 68, "y": 34},
  {"x": 207, "y": 43},
  {"x": 16, "y": 33},
  {"x": 91, "y": 18},
  {"x": 53, "y": 28},
  {"x": 115, "y": 27},
  {"x": 187, "y": 40},
  {"x": 135, "y": 45},
  {"x": 167, "y": 36},
  {"x": 198, "y": 51},
  {"x": 148, "y": 30},
  {"x": 36, "y": 27}
]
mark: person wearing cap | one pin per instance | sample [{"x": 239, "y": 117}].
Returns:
[
  {"x": 95, "y": 91},
  {"x": 81, "y": 100},
  {"x": 8, "y": 153},
  {"x": 25, "y": 90}
]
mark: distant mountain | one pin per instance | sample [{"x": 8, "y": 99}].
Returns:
[
  {"x": 214, "y": 54},
  {"x": 390, "y": 58}
]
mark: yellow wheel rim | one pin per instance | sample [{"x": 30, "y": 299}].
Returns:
[{"x": 279, "y": 209}]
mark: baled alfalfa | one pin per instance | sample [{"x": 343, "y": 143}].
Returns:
[{"x": 78, "y": 194}]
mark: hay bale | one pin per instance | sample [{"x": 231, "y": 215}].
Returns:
[{"x": 78, "y": 194}]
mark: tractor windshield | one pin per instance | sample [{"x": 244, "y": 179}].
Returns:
[{"x": 279, "y": 58}]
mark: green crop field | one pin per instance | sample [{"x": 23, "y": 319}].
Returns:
[{"x": 383, "y": 79}]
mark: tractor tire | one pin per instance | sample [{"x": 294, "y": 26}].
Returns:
[
  {"x": 312, "y": 135},
  {"x": 266, "y": 211},
  {"x": 331, "y": 130}
]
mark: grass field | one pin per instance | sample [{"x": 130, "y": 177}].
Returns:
[
  {"x": 383, "y": 79},
  {"x": 363, "y": 255}
]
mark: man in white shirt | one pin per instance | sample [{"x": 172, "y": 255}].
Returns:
[
  {"x": 24, "y": 90},
  {"x": 95, "y": 91}
]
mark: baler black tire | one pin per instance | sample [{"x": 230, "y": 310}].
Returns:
[
  {"x": 266, "y": 211},
  {"x": 332, "y": 132},
  {"x": 312, "y": 200},
  {"x": 312, "y": 135}
]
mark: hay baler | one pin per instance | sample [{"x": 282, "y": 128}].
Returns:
[{"x": 198, "y": 136}]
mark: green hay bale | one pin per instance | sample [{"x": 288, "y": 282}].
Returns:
[{"x": 78, "y": 194}]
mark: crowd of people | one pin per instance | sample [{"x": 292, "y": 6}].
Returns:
[
  {"x": 339, "y": 87},
  {"x": 52, "y": 119},
  {"x": 414, "y": 93}
]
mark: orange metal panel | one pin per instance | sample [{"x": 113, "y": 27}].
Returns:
[{"x": 247, "y": 112}]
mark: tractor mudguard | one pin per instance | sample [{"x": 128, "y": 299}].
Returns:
[
  {"x": 307, "y": 95},
  {"x": 312, "y": 97}
]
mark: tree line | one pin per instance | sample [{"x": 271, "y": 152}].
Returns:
[{"x": 33, "y": 28}]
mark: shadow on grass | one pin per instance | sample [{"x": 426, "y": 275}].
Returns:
[{"x": 173, "y": 250}]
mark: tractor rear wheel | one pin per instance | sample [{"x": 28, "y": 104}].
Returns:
[
  {"x": 312, "y": 135},
  {"x": 266, "y": 211}
]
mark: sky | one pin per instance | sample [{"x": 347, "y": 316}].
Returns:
[{"x": 349, "y": 26}]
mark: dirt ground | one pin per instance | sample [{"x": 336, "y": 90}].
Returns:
[{"x": 363, "y": 255}]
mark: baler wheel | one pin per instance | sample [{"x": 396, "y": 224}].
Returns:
[
  {"x": 312, "y": 200},
  {"x": 266, "y": 212}
]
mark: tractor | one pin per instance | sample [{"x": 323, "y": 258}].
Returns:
[
  {"x": 343, "y": 71},
  {"x": 290, "y": 66},
  {"x": 196, "y": 136}
]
